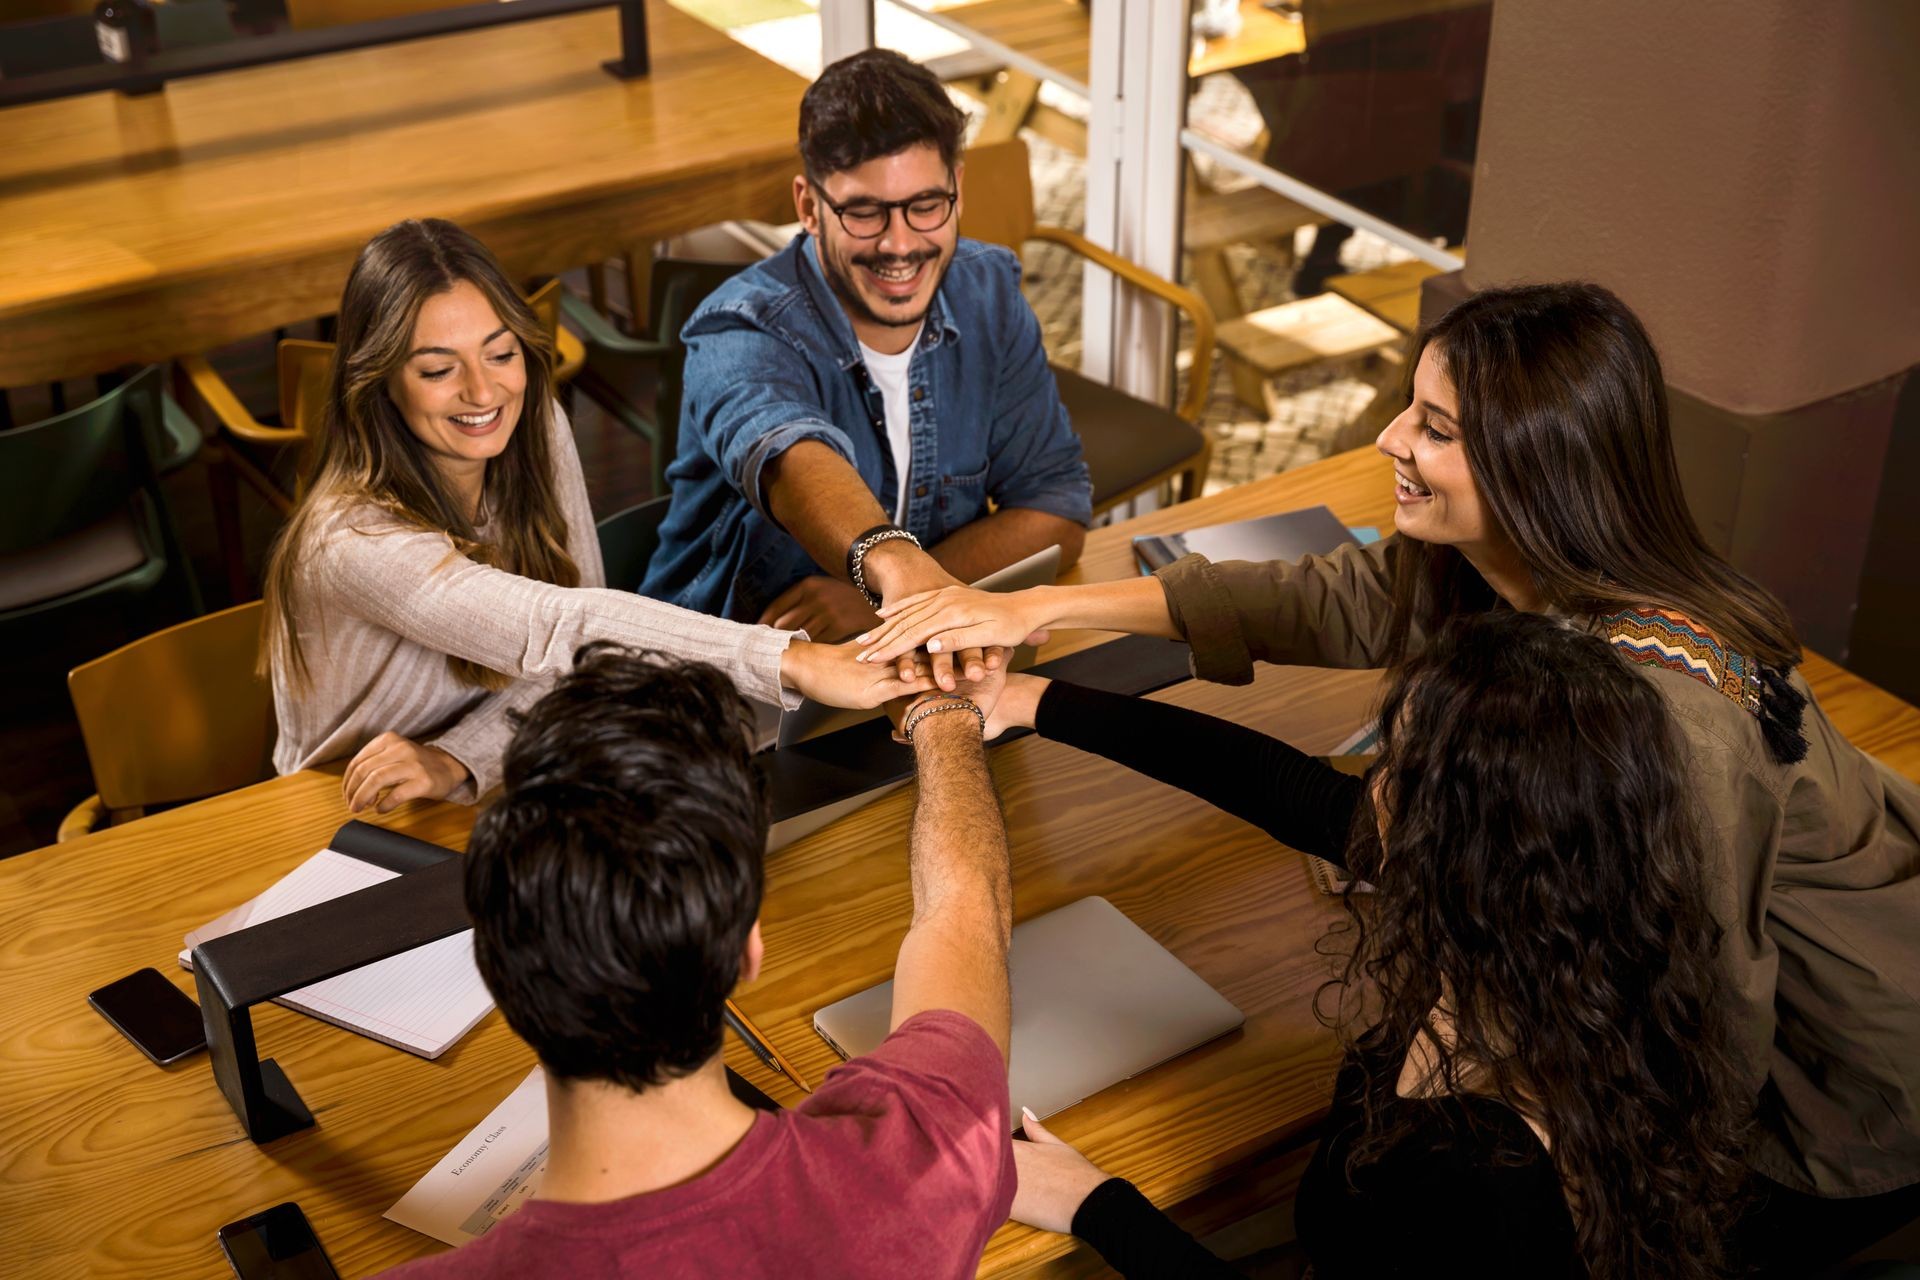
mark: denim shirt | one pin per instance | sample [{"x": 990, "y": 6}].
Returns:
[{"x": 772, "y": 360}]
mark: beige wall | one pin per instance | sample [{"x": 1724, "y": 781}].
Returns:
[{"x": 1745, "y": 173}]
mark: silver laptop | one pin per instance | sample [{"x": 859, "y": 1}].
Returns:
[
  {"x": 811, "y": 719},
  {"x": 1095, "y": 1001}
]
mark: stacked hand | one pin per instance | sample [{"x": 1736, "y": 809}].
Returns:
[
  {"x": 979, "y": 625},
  {"x": 983, "y": 693},
  {"x": 834, "y": 674}
]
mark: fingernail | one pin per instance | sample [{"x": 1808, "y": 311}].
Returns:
[
  {"x": 863, "y": 639},
  {"x": 862, "y": 655},
  {"x": 933, "y": 646},
  {"x": 1026, "y": 1113}
]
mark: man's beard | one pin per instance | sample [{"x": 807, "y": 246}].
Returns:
[{"x": 841, "y": 278}]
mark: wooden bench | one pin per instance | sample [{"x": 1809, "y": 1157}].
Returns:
[{"x": 1293, "y": 335}]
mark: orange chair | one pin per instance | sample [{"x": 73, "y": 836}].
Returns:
[
  {"x": 266, "y": 454},
  {"x": 178, "y": 715},
  {"x": 1132, "y": 446}
]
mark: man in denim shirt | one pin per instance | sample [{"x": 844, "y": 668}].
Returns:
[{"x": 880, "y": 371}]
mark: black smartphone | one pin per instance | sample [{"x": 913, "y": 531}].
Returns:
[
  {"x": 275, "y": 1245},
  {"x": 162, "y": 1021}
]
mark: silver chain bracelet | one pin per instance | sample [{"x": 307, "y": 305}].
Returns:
[
  {"x": 933, "y": 707},
  {"x": 857, "y": 557}
]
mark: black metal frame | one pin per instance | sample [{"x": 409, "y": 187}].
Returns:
[
  {"x": 233, "y": 973},
  {"x": 150, "y": 74}
]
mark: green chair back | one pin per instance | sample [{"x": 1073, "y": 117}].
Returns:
[
  {"x": 62, "y": 474},
  {"x": 628, "y": 539}
]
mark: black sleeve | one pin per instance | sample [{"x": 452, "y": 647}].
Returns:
[
  {"x": 1297, "y": 799},
  {"x": 1139, "y": 1241}
]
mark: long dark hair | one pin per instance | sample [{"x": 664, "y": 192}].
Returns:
[
  {"x": 1540, "y": 882},
  {"x": 364, "y": 451},
  {"x": 1563, "y": 413}
]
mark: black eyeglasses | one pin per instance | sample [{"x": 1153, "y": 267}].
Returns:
[{"x": 869, "y": 219}]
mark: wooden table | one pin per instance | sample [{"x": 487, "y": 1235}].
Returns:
[
  {"x": 134, "y": 229},
  {"x": 1391, "y": 292},
  {"x": 1059, "y": 33},
  {"x": 115, "y": 1167}
]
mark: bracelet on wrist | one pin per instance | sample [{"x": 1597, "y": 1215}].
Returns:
[
  {"x": 949, "y": 702},
  {"x": 857, "y": 556}
]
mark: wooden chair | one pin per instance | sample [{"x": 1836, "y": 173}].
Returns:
[
  {"x": 176, "y": 716},
  {"x": 1132, "y": 446},
  {"x": 640, "y": 380},
  {"x": 266, "y": 454}
]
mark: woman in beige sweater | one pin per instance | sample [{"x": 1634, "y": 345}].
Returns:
[
  {"x": 443, "y": 565},
  {"x": 1534, "y": 470}
]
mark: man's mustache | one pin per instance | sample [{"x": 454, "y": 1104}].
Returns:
[{"x": 893, "y": 262}]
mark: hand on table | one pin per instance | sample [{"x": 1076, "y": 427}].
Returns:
[
  {"x": 392, "y": 770},
  {"x": 825, "y": 608},
  {"x": 1054, "y": 1179},
  {"x": 955, "y": 618},
  {"x": 834, "y": 674}
]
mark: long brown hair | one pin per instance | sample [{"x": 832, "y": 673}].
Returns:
[
  {"x": 1563, "y": 413},
  {"x": 1541, "y": 881},
  {"x": 364, "y": 454}
]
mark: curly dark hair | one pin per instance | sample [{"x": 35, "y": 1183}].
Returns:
[
  {"x": 1540, "y": 877},
  {"x": 613, "y": 884}
]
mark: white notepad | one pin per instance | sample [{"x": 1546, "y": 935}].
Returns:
[{"x": 420, "y": 1000}]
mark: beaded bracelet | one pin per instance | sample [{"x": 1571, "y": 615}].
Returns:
[
  {"x": 857, "y": 555},
  {"x": 933, "y": 707}
]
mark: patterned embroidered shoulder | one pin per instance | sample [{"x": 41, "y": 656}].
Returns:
[{"x": 1662, "y": 638}]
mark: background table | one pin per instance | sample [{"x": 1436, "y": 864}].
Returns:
[
  {"x": 134, "y": 229},
  {"x": 110, "y": 1166}
]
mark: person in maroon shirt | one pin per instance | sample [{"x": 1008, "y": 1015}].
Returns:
[{"x": 615, "y": 893}]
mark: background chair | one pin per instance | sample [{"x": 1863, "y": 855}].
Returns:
[
  {"x": 620, "y": 368},
  {"x": 81, "y": 509},
  {"x": 178, "y": 715},
  {"x": 1132, "y": 446},
  {"x": 266, "y": 454},
  {"x": 628, "y": 539}
]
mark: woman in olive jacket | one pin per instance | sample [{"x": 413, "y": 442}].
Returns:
[{"x": 1534, "y": 470}]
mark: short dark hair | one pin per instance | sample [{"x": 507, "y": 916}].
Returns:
[
  {"x": 613, "y": 884},
  {"x": 872, "y": 104}
]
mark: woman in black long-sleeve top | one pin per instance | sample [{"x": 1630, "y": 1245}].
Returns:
[{"x": 1541, "y": 1080}]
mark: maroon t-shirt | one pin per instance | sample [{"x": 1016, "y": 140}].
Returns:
[{"x": 900, "y": 1165}]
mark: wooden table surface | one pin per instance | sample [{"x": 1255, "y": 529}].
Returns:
[
  {"x": 1391, "y": 292},
  {"x": 1059, "y": 32},
  {"x": 134, "y": 229},
  {"x": 110, "y": 1166}
]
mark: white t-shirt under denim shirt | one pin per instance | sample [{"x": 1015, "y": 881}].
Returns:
[{"x": 889, "y": 374}]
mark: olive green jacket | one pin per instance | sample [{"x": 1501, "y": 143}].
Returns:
[{"x": 1817, "y": 882}]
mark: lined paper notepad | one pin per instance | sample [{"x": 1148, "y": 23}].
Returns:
[{"x": 420, "y": 1000}]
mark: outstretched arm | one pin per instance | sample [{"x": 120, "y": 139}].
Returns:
[
  {"x": 955, "y": 952},
  {"x": 1297, "y": 799}
]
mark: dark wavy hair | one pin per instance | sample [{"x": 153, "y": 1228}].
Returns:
[
  {"x": 614, "y": 883},
  {"x": 1540, "y": 877},
  {"x": 1563, "y": 413},
  {"x": 871, "y": 104}
]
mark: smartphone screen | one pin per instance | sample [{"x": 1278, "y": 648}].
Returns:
[
  {"x": 160, "y": 1019},
  {"x": 276, "y": 1245}
]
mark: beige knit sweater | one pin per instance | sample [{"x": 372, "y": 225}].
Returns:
[{"x": 380, "y": 606}]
